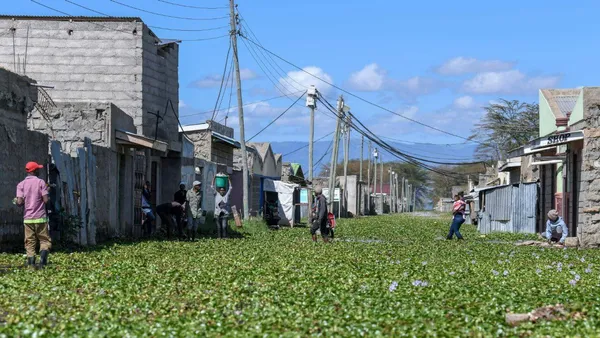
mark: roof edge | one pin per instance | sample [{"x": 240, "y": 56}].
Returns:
[{"x": 73, "y": 18}]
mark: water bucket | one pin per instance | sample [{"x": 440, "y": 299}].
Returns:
[{"x": 221, "y": 181}]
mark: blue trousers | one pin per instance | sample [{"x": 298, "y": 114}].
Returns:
[{"x": 457, "y": 221}]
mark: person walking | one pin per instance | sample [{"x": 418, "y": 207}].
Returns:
[
  {"x": 194, "y": 209},
  {"x": 32, "y": 194},
  {"x": 166, "y": 212},
  {"x": 320, "y": 220},
  {"x": 148, "y": 223},
  {"x": 222, "y": 208},
  {"x": 458, "y": 218},
  {"x": 180, "y": 197}
]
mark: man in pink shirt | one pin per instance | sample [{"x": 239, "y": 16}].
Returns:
[{"x": 32, "y": 194}]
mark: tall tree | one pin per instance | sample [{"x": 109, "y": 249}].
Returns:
[{"x": 506, "y": 125}]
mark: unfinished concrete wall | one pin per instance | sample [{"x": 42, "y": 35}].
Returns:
[
  {"x": 84, "y": 61},
  {"x": 222, "y": 154},
  {"x": 105, "y": 60},
  {"x": 589, "y": 201},
  {"x": 160, "y": 82},
  {"x": 71, "y": 123},
  {"x": 17, "y": 98}
]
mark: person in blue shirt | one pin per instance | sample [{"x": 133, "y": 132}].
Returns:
[{"x": 556, "y": 228}]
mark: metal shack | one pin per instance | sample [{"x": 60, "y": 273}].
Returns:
[{"x": 508, "y": 208}]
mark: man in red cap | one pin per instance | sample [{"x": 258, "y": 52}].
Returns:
[{"x": 32, "y": 194}]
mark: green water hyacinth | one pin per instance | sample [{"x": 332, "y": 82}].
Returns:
[{"x": 372, "y": 280}]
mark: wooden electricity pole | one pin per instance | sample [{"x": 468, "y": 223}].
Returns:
[
  {"x": 369, "y": 182},
  {"x": 346, "y": 157},
  {"x": 334, "y": 153},
  {"x": 311, "y": 102},
  {"x": 234, "y": 32}
]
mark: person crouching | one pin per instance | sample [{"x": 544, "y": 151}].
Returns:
[{"x": 556, "y": 228}]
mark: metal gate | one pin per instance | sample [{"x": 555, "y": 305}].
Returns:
[{"x": 140, "y": 175}]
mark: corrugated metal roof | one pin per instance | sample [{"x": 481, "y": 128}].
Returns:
[
  {"x": 74, "y": 18},
  {"x": 566, "y": 103}
]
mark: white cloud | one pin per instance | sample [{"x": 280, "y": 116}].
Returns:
[
  {"x": 299, "y": 80},
  {"x": 369, "y": 79},
  {"x": 182, "y": 104},
  {"x": 462, "y": 65},
  {"x": 464, "y": 102},
  {"x": 416, "y": 86},
  {"x": 509, "y": 82},
  {"x": 247, "y": 74},
  {"x": 211, "y": 81}
]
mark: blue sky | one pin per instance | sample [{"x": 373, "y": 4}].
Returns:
[{"x": 438, "y": 62}]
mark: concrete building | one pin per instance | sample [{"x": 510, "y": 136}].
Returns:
[
  {"x": 101, "y": 61},
  {"x": 262, "y": 164},
  {"x": 568, "y": 154},
  {"x": 18, "y": 146}
]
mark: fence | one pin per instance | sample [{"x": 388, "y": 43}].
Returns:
[{"x": 509, "y": 208}]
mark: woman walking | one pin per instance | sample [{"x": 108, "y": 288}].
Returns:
[{"x": 458, "y": 218}]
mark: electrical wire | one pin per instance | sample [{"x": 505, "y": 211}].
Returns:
[
  {"x": 277, "y": 118},
  {"x": 283, "y": 73},
  {"x": 244, "y": 105},
  {"x": 306, "y": 146},
  {"x": 322, "y": 157},
  {"x": 228, "y": 84},
  {"x": 356, "y": 96},
  {"x": 393, "y": 151},
  {"x": 169, "y": 16},
  {"x": 222, "y": 80},
  {"x": 187, "y": 30},
  {"x": 188, "y": 6}
]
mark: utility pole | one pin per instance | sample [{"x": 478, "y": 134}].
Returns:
[
  {"x": 375, "y": 156},
  {"x": 346, "y": 156},
  {"x": 334, "y": 152},
  {"x": 414, "y": 198},
  {"x": 311, "y": 102},
  {"x": 369, "y": 182},
  {"x": 396, "y": 191},
  {"x": 381, "y": 182},
  {"x": 391, "y": 197},
  {"x": 236, "y": 63},
  {"x": 360, "y": 175}
]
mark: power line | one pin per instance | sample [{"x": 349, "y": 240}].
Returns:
[
  {"x": 245, "y": 105},
  {"x": 385, "y": 146},
  {"x": 322, "y": 157},
  {"x": 154, "y": 27},
  {"x": 356, "y": 96},
  {"x": 283, "y": 73},
  {"x": 169, "y": 16},
  {"x": 228, "y": 84},
  {"x": 222, "y": 80},
  {"x": 188, "y": 30},
  {"x": 188, "y": 6},
  {"x": 277, "y": 118},
  {"x": 317, "y": 140}
]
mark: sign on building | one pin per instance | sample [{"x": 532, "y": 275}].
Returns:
[{"x": 336, "y": 194}]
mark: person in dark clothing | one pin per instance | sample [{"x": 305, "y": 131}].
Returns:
[
  {"x": 166, "y": 211},
  {"x": 148, "y": 224},
  {"x": 180, "y": 197},
  {"x": 320, "y": 221}
]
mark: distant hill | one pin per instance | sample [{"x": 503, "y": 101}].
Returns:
[{"x": 434, "y": 152}]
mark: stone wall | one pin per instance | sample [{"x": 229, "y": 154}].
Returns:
[
  {"x": 589, "y": 201},
  {"x": 71, "y": 123},
  {"x": 112, "y": 60},
  {"x": 17, "y": 98}
]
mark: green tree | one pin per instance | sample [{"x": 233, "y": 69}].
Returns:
[{"x": 506, "y": 125}]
